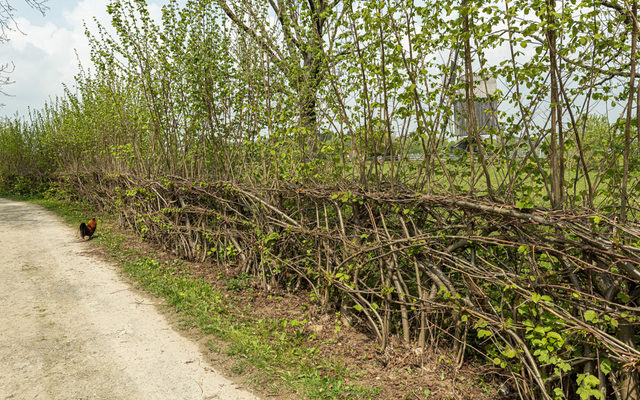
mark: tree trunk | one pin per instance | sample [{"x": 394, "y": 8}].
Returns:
[
  {"x": 627, "y": 126},
  {"x": 308, "y": 83},
  {"x": 557, "y": 141},
  {"x": 472, "y": 129},
  {"x": 629, "y": 382}
]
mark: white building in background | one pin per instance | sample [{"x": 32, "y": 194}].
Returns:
[{"x": 485, "y": 107}]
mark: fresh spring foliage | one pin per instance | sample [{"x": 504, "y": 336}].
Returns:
[
  {"x": 310, "y": 142},
  {"x": 350, "y": 92}
]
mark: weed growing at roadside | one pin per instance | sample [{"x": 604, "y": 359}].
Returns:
[
  {"x": 262, "y": 343},
  {"x": 239, "y": 283}
]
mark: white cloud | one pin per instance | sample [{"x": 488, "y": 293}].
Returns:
[{"x": 46, "y": 55}]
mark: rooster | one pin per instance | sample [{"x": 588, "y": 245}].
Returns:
[{"x": 88, "y": 229}]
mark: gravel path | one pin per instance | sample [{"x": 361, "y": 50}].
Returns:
[{"x": 71, "y": 328}]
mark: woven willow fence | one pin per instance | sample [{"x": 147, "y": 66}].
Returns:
[{"x": 547, "y": 296}]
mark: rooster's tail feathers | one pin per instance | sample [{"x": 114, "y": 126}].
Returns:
[{"x": 84, "y": 230}]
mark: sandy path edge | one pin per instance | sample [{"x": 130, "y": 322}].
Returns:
[{"x": 71, "y": 328}]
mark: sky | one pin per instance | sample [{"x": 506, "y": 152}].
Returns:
[{"x": 47, "y": 52}]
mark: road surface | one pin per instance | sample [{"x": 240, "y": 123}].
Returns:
[{"x": 71, "y": 328}]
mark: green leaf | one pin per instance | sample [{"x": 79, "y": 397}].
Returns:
[
  {"x": 555, "y": 336},
  {"x": 564, "y": 366},
  {"x": 589, "y": 315},
  {"x": 482, "y": 333},
  {"x": 605, "y": 366},
  {"x": 623, "y": 297},
  {"x": 543, "y": 355},
  {"x": 510, "y": 353}
]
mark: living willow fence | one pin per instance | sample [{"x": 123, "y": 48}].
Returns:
[{"x": 549, "y": 296}]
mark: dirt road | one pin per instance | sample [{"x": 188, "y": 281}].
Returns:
[{"x": 70, "y": 328}]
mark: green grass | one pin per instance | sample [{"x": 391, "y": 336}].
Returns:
[
  {"x": 281, "y": 359},
  {"x": 284, "y": 359},
  {"x": 528, "y": 191}
]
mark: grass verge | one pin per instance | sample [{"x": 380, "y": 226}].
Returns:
[{"x": 279, "y": 360}]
